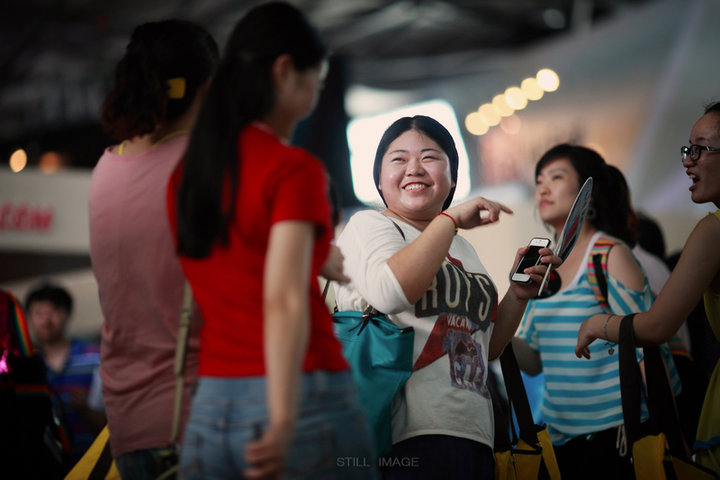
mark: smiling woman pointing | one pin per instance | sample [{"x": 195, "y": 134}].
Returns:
[{"x": 408, "y": 262}]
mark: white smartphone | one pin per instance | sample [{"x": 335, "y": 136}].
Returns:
[{"x": 530, "y": 259}]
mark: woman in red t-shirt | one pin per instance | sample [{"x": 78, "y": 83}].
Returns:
[{"x": 252, "y": 219}]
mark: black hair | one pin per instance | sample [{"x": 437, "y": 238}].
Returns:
[
  {"x": 610, "y": 198},
  {"x": 48, "y": 292},
  {"x": 157, "y": 52},
  {"x": 241, "y": 92},
  {"x": 713, "y": 107},
  {"x": 650, "y": 235},
  {"x": 429, "y": 127}
]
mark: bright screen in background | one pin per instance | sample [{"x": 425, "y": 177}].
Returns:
[{"x": 364, "y": 135}]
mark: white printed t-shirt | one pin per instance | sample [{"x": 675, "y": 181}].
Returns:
[{"x": 447, "y": 392}]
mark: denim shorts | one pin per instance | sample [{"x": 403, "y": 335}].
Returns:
[{"x": 331, "y": 440}]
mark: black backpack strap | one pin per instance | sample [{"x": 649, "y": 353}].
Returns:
[
  {"x": 597, "y": 261},
  {"x": 595, "y": 269}
]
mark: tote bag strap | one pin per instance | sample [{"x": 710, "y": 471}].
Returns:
[
  {"x": 180, "y": 354},
  {"x": 503, "y": 426},
  {"x": 517, "y": 396},
  {"x": 630, "y": 379},
  {"x": 104, "y": 460},
  {"x": 661, "y": 402}
]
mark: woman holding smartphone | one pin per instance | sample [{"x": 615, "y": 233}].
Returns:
[
  {"x": 696, "y": 275},
  {"x": 581, "y": 402},
  {"x": 408, "y": 262}
]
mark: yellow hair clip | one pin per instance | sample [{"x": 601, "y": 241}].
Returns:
[{"x": 176, "y": 87}]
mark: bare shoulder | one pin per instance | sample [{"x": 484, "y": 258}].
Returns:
[
  {"x": 705, "y": 236},
  {"x": 699, "y": 262},
  {"x": 704, "y": 239},
  {"x": 624, "y": 268},
  {"x": 711, "y": 223}
]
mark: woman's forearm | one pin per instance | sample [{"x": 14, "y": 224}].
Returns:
[
  {"x": 510, "y": 312},
  {"x": 286, "y": 300},
  {"x": 416, "y": 265},
  {"x": 286, "y": 331},
  {"x": 698, "y": 265}
]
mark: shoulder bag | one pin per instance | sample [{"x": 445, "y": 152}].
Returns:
[
  {"x": 98, "y": 464},
  {"x": 658, "y": 449},
  {"x": 529, "y": 455},
  {"x": 380, "y": 355}
]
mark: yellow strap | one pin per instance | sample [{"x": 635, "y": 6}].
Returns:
[{"x": 170, "y": 136}]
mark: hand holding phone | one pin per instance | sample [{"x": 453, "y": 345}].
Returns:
[{"x": 530, "y": 259}]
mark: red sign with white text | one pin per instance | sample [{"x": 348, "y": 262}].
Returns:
[{"x": 25, "y": 218}]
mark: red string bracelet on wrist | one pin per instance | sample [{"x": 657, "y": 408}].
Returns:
[{"x": 451, "y": 218}]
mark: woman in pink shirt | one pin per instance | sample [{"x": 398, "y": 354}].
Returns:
[{"x": 157, "y": 90}]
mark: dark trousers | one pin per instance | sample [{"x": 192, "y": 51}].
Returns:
[
  {"x": 596, "y": 457},
  {"x": 438, "y": 457}
]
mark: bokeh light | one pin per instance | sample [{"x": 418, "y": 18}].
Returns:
[
  {"x": 515, "y": 98},
  {"x": 531, "y": 89},
  {"x": 504, "y": 105},
  {"x": 475, "y": 124},
  {"x": 18, "y": 160},
  {"x": 501, "y": 107},
  {"x": 548, "y": 80},
  {"x": 511, "y": 125},
  {"x": 50, "y": 162},
  {"x": 489, "y": 115}
]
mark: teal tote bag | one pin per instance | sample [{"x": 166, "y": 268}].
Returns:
[{"x": 380, "y": 357}]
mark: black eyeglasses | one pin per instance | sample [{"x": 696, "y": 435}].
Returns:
[{"x": 693, "y": 151}]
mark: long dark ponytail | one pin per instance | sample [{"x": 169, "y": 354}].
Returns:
[{"x": 241, "y": 92}]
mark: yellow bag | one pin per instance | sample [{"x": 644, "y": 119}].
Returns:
[
  {"x": 658, "y": 448},
  {"x": 97, "y": 462},
  {"x": 504, "y": 465},
  {"x": 647, "y": 454},
  {"x": 531, "y": 456},
  {"x": 652, "y": 462}
]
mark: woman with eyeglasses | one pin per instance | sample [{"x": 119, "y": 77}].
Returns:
[{"x": 696, "y": 275}]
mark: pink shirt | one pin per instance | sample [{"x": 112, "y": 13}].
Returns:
[{"x": 141, "y": 286}]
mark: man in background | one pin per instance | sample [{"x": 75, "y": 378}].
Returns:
[{"x": 72, "y": 364}]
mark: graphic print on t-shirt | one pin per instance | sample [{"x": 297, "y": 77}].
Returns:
[{"x": 464, "y": 303}]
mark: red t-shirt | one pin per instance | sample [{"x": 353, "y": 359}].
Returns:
[{"x": 277, "y": 182}]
